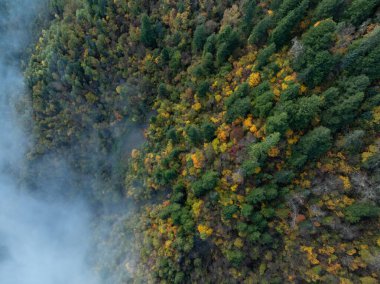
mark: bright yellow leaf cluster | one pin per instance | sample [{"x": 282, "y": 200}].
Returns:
[
  {"x": 254, "y": 79},
  {"x": 204, "y": 230}
]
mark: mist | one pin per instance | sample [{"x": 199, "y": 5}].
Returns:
[{"x": 44, "y": 238}]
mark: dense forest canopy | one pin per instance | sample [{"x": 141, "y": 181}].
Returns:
[{"x": 255, "y": 127}]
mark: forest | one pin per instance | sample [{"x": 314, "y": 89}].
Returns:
[{"x": 244, "y": 134}]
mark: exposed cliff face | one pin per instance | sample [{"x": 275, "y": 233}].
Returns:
[{"x": 261, "y": 161}]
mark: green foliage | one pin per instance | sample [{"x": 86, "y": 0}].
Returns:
[
  {"x": 264, "y": 202},
  {"x": 205, "y": 184},
  {"x": 277, "y": 123},
  {"x": 260, "y": 31},
  {"x": 227, "y": 42},
  {"x": 203, "y": 89},
  {"x": 320, "y": 37},
  {"x": 302, "y": 111},
  {"x": 339, "y": 115},
  {"x": 327, "y": 9},
  {"x": 238, "y": 104},
  {"x": 343, "y": 105},
  {"x": 312, "y": 146},
  {"x": 263, "y": 104},
  {"x": 259, "y": 151},
  {"x": 354, "y": 213},
  {"x": 318, "y": 68},
  {"x": 148, "y": 34},
  {"x": 248, "y": 17},
  {"x": 240, "y": 108},
  {"x": 360, "y": 10},
  {"x": 264, "y": 55},
  {"x": 208, "y": 130},
  {"x": 362, "y": 57},
  {"x": 199, "y": 39},
  {"x": 256, "y": 196},
  {"x": 172, "y": 135},
  {"x": 246, "y": 210},
  {"x": 281, "y": 34},
  {"x": 229, "y": 211},
  {"x": 194, "y": 135},
  {"x": 235, "y": 257}
]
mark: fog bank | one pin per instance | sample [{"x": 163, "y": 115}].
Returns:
[{"x": 43, "y": 240}]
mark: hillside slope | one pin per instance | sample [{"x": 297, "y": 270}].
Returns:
[{"x": 262, "y": 153}]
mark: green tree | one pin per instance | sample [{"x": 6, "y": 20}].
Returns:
[
  {"x": 259, "y": 33},
  {"x": 327, "y": 9},
  {"x": 228, "y": 41},
  {"x": 263, "y": 56},
  {"x": 360, "y": 10},
  {"x": 205, "y": 184},
  {"x": 277, "y": 123},
  {"x": 311, "y": 146},
  {"x": 281, "y": 34},
  {"x": 199, "y": 39},
  {"x": 355, "y": 212},
  {"x": 148, "y": 34},
  {"x": 303, "y": 111}
]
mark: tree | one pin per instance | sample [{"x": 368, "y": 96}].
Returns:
[
  {"x": 344, "y": 113},
  {"x": 228, "y": 41},
  {"x": 320, "y": 37},
  {"x": 360, "y": 10},
  {"x": 263, "y": 104},
  {"x": 208, "y": 130},
  {"x": 355, "y": 212},
  {"x": 259, "y": 33},
  {"x": 248, "y": 16},
  {"x": 281, "y": 34},
  {"x": 327, "y": 9},
  {"x": 194, "y": 135},
  {"x": 318, "y": 68},
  {"x": 264, "y": 55},
  {"x": 203, "y": 89},
  {"x": 302, "y": 111},
  {"x": 207, "y": 183},
  {"x": 353, "y": 141},
  {"x": 199, "y": 39},
  {"x": 210, "y": 45},
  {"x": 258, "y": 152},
  {"x": 277, "y": 123},
  {"x": 239, "y": 103},
  {"x": 286, "y": 7},
  {"x": 363, "y": 56},
  {"x": 311, "y": 146},
  {"x": 148, "y": 34}
]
